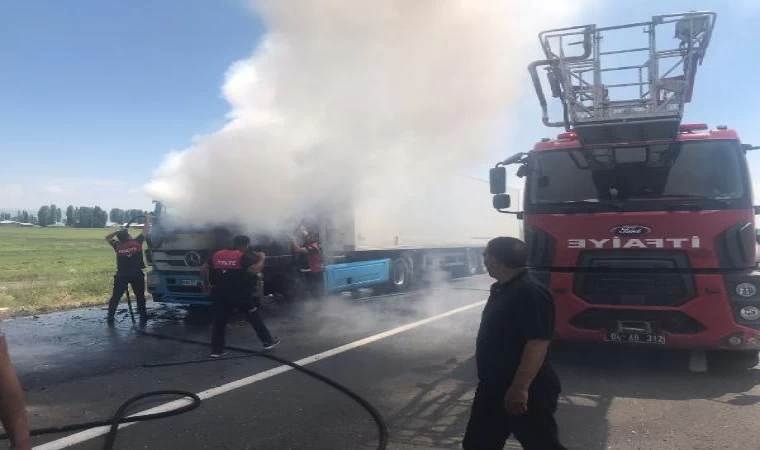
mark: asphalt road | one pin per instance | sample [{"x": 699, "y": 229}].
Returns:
[{"x": 420, "y": 377}]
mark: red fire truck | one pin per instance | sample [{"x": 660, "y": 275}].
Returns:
[{"x": 641, "y": 226}]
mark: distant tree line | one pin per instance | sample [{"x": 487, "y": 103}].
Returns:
[
  {"x": 123, "y": 216},
  {"x": 76, "y": 216},
  {"x": 20, "y": 216},
  {"x": 48, "y": 215},
  {"x": 86, "y": 217}
]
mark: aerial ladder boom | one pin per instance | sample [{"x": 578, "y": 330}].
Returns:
[{"x": 619, "y": 90}]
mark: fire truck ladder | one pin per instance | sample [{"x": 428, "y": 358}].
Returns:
[{"x": 610, "y": 95}]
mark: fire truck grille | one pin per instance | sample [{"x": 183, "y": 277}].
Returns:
[{"x": 634, "y": 278}]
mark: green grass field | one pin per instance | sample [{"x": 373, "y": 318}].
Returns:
[{"x": 44, "y": 269}]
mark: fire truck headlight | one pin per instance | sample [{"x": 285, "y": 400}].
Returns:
[
  {"x": 746, "y": 289},
  {"x": 750, "y": 313},
  {"x": 153, "y": 281}
]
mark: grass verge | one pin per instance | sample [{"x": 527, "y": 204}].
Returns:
[{"x": 48, "y": 269}]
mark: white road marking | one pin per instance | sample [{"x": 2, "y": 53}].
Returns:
[{"x": 93, "y": 433}]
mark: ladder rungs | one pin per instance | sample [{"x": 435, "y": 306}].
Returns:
[
  {"x": 612, "y": 69},
  {"x": 617, "y": 52},
  {"x": 625, "y": 84}
]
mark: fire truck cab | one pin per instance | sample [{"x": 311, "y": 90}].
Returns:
[{"x": 641, "y": 226}]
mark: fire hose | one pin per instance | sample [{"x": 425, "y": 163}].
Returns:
[
  {"x": 382, "y": 427},
  {"x": 120, "y": 416}
]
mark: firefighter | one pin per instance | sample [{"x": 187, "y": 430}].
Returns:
[
  {"x": 518, "y": 390},
  {"x": 311, "y": 250},
  {"x": 296, "y": 241},
  {"x": 129, "y": 269},
  {"x": 228, "y": 277}
]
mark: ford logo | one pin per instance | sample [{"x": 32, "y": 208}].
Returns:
[{"x": 631, "y": 230}]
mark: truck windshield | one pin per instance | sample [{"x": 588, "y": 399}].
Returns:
[{"x": 702, "y": 174}]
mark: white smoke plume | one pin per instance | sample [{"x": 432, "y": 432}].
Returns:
[{"x": 370, "y": 98}]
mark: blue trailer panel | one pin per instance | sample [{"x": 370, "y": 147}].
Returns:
[{"x": 354, "y": 275}]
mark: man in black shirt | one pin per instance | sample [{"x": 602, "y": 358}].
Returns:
[
  {"x": 228, "y": 276},
  {"x": 129, "y": 270},
  {"x": 518, "y": 390}
]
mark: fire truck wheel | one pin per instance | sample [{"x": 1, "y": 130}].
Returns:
[{"x": 721, "y": 361}]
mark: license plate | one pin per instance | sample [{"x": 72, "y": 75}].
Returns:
[
  {"x": 189, "y": 282},
  {"x": 634, "y": 338}
]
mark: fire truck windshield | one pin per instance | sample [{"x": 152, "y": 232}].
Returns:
[{"x": 693, "y": 174}]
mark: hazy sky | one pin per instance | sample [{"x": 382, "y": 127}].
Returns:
[{"x": 94, "y": 94}]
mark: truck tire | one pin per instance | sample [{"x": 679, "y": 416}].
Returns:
[
  {"x": 473, "y": 263},
  {"x": 401, "y": 274},
  {"x": 481, "y": 264},
  {"x": 731, "y": 361}
]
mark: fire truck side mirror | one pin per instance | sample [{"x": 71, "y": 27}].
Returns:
[
  {"x": 757, "y": 209},
  {"x": 498, "y": 179},
  {"x": 502, "y": 201}
]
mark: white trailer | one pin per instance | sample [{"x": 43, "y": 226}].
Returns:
[{"x": 396, "y": 241}]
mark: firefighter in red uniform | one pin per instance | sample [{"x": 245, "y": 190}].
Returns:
[
  {"x": 314, "y": 272},
  {"x": 228, "y": 275},
  {"x": 129, "y": 270}
]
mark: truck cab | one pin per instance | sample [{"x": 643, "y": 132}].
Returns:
[
  {"x": 657, "y": 237},
  {"x": 178, "y": 250}
]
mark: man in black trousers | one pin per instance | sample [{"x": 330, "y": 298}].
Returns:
[
  {"x": 228, "y": 278},
  {"x": 129, "y": 270},
  {"x": 518, "y": 390}
]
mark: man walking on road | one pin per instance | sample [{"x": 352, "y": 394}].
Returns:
[
  {"x": 518, "y": 390},
  {"x": 129, "y": 270},
  {"x": 228, "y": 275}
]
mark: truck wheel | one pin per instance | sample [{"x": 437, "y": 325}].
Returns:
[
  {"x": 723, "y": 361},
  {"x": 473, "y": 263},
  {"x": 481, "y": 264},
  {"x": 401, "y": 274}
]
